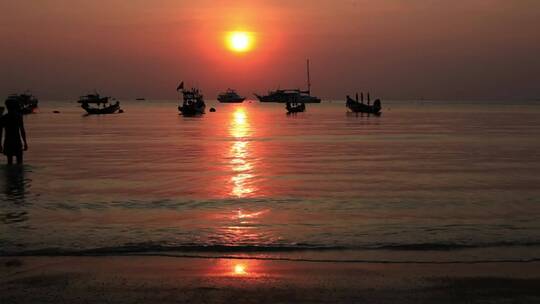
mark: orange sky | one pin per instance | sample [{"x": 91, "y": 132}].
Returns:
[{"x": 478, "y": 49}]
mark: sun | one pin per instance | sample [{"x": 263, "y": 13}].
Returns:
[{"x": 240, "y": 42}]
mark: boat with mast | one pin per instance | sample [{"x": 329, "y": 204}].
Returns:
[
  {"x": 193, "y": 101},
  {"x": 290, "y": 95},
  {"x": 102, "y": 104},
  {"x": 28, "y": 103},
  {"x": 358, "y": 106},
  {"x": 230, "y": 96}
]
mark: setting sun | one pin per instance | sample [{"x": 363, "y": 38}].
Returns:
[{"x": 240, "y": 42}]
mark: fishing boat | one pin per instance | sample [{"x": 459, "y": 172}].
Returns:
[
  {"x": 28, "y": 103},
  {"x": 295, "y": 107},
  {"x": 286, "y": 95},
  {"x": 230, "y": 96},
  {"x": 102, "y": 104},
  {"x": 193, "y": 101},
  {"x": 357, "y": 106}
]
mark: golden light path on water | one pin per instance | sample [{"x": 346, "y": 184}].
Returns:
[{"x": 239, "y": 153}]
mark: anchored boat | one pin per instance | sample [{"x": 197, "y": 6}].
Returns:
[
  {"x": 193, "y": 101},
  {"x": 287, "y": 95},
  {"x": 294, "y": 107},
  {"x": 230, "y": 96},
  {"x": 360, "y": 107},
  {"x": 102, "y": 104},
  {"x": 28, "y": 103}
]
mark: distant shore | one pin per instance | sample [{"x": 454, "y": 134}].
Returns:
[{"x": 191, "y": 280}]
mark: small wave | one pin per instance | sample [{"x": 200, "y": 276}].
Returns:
[
  {"x": 450, "y": 246},
  {"x": 146, "y": 248}
]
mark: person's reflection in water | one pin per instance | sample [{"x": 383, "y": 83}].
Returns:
[
  {"x": 12, "y": 124},
  {"x": 14, "y": 183}
]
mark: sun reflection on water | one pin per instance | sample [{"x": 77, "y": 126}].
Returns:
[
  {"x": 240, "y": 269},
  {"x": 240, "y": 154}
]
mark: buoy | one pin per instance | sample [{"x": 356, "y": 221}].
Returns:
[
  {"x": 120, "y": 111},
  {"x": 212, "y": 110}
]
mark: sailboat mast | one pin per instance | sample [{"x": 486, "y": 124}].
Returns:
[{"x": 308, "y": 79}]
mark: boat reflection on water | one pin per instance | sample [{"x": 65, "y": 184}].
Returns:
[{"x": 242, "y": 176}]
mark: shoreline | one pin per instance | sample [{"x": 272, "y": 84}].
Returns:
[{"x": 129, "y": 279}]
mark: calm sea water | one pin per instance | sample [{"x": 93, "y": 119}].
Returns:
[{"x": 431, "y": 180}]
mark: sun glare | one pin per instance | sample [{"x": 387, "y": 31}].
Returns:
[
  {"x": 240, "y": 42},
  {"x": 240, "y": 269}
]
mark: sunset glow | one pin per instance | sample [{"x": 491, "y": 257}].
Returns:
[
  {"x": 240, "y": 42},
  {"x": 240, "y": 269}
]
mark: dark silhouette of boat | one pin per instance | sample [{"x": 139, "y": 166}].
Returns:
[
  {"x": 230, "y": 96},
  {"x": 360, "y": 107},
  {"x": 28, "y": 103},
  {"x": 193, "y": 101},
  {"x": 287, "y": 95},
  {"x": 102, "y": 105},
  {"x": 294, "y": 107}
]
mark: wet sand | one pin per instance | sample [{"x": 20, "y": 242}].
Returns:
[{"x": 191, "y": 280}]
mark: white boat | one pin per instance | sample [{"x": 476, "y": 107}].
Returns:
[{"x": 230, "y": 96}]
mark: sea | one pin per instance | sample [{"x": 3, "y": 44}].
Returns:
[{"x": 425, "y": 182}]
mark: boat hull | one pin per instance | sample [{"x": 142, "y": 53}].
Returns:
[
  {"x": 25, "y": 110},
  {"x": 100, "y": 111},
  {"x": 295, "y": 109},
  {"x": 285, "y": 99},
  {"x": 187, "y": 110},
  {"x": 357, "y": 107}
]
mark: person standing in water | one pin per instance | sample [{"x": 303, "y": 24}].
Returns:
[{"x": 12, "y": 124}]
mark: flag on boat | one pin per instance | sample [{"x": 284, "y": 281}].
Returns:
[{"x": 181, "y": 86}]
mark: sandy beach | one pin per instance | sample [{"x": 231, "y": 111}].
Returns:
[{"x": 191, "y": 280}]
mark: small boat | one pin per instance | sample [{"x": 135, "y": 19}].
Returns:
[
  {"x": 230, "y": 96},
  {"x": 284, "y": 96},
  {"x": 28, "y": 103},
  {"x": 102, "y": 104},
  {"x": 140, "y": 99},
  {"x": 295, "y": 107},
  {"x": 193, "y": 101},
  {"x": 360, "y": 107}
]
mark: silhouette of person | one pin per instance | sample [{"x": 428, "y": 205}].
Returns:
[{"x": 12, "y": 124}]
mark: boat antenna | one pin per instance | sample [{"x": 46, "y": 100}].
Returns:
[{"x": 308, "y": 79}]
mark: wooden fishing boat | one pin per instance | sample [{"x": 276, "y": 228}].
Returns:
[
  {"x": 193, "y": 101},
  {"x": 294, "y": 107},
  {"x": 102, "y": 104},
  {"x": 28, "y": 103},
  {"x": 357, "y": 106}
]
